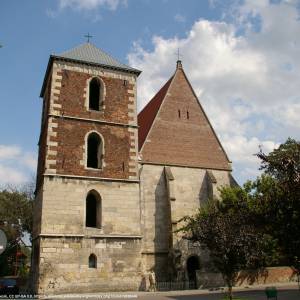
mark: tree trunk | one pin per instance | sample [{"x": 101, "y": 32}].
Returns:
[
  {"x": 230, "y": 292},
  {"x": 229, "y": 283}
]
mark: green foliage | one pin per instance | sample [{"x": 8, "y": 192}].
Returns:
[
  {"x": 15, "y": 219},
  {"x": 280, "y": 197},
  {"x": 229, "y": 230},
  {"x": 16, "y": 212},
  {"x": 256, "y": 225}
]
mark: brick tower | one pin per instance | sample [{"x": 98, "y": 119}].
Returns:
[{"x": 87, "y": 234}]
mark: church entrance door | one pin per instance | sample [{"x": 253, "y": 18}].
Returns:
[{"x": 192, "y": 265}]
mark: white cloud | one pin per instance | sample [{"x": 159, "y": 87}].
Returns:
[
  {"x": 243, "y": 153},
  {"x": 30, "y": 161},
  {"x": 248, "y": 83},
  {"x": 16, "y": 165},
  {"x": 9, "y": 152},
  {"x": 11, "y": 176},
  {"x": 91, "y": 4}
]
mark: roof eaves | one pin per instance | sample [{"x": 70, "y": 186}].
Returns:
[
  {"x": 158, "y": 99},
  {"x": 49, "y": 65}
]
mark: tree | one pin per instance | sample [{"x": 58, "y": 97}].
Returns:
[
  {"x": 281, "y": 200},
  {"x": 229, "y": 231},
  {"x": 15, "y": 219}
]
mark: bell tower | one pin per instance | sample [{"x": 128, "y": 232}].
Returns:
[{"x": 87, "y": 232}]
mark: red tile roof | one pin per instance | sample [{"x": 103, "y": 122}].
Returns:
[{"x": 147, "y": 115}]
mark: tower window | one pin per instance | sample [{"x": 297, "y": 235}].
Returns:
[
  {"x": 187, "y": 114},
  {"x": 94, "y": 94},
  {"x": 94, "y": 151},
  {"x": 93, "y": 210},
  {"x": 179, "y": 114},
  {"x": 93, "y": 261}
]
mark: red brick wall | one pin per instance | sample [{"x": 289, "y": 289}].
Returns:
[
  {"x": 73, "y": 101},
  {"x": 71, "y": 137},
  {"x": 266, "y": 276},
  {"x": 71, "y": 133},
  {"x": 43, "y": 135}
]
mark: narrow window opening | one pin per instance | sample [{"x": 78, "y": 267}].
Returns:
[
  {"x": 179, "y": 115},
  {"x": 93, "y": 261},
  {"x": 125, "y": 82},
  {"x": 187, "y": 114},
  {"x": 94, "y": 151},
  {"x": 93, "y": 211},
  {"x": 94, "y": 94}
]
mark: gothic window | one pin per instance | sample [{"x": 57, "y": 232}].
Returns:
[
  {"x": 94, "y": 151},
  {"x": 93, "y": 261},
  {"x": 95, "y": 94},
  {"x": 93, "y": 210}
]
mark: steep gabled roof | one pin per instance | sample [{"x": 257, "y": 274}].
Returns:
[
  {"x": 174, "y": 129},
  {"x": 91, "y": 55},
  {"x": 149, "y": 112}
]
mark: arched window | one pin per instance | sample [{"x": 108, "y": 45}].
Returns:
[
  {"x": 93, "y": 261},
  {"x": 95, "y": 94},
  {"x": 93, "y": 210},
  {"x": 94, "y": 151}
]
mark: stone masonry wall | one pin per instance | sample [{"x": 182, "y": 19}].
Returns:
[
  {"x": 190, "y": 190},
  {"x": 65, "y": 243},
  {"x": 64, "y": 265},
  {"x": 64, "y": 207}
]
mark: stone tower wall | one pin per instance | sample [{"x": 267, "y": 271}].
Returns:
[{"x": 65, "y": 242}]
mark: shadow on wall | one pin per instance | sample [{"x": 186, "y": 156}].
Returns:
[
  {"x": 206, "y": 190},
  {"x": 163, "y": 230},
  {"x": 252, "y": 276}
]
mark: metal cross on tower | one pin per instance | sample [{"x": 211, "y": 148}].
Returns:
[
  {"x": 88, "y": 36},
  {"x": 178, "y": 54}
]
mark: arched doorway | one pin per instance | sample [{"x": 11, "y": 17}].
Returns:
[{"x": 192, "y": 265}]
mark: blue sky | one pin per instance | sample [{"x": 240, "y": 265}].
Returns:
[{"x": 242, "y": 58}]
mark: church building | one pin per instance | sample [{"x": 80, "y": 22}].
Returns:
[{"x": 112, "y": 184}]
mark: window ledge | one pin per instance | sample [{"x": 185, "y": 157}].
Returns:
[
  {"x": 94, "y": 169},
  {"x": 97, "y": 111}
]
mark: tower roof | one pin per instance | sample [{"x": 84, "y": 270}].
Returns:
[
  {"x": 174, "y": 129},
  {"x": 89, "y": 54}
]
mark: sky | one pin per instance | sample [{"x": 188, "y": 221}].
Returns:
[{"x": 241, "y": 57}]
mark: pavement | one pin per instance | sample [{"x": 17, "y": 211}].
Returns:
[{"x": 285, "y": 292}]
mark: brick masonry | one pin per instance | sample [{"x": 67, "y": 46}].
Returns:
[
  {"x": 67, "y": 121},
  {"x": 181, "y": 133}
]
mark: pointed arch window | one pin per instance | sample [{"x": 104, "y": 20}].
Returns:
[
  {"x": 95, "y": 94},
  {"x": 93, "y": 261},
  {"x": 94, "y": 151},
  {"x": 93, "y": 210}
]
